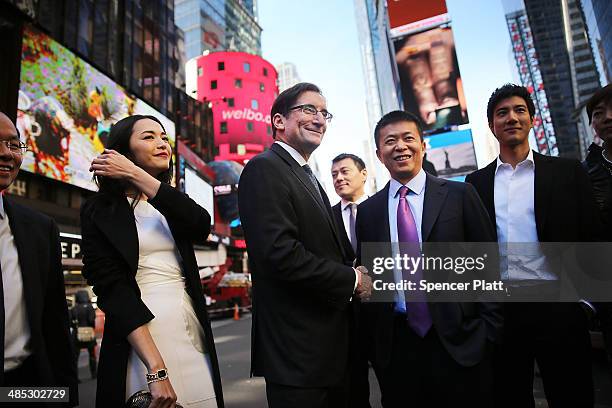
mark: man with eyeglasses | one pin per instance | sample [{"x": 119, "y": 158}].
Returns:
[
  {"x": 34, "y": 329},
  {"x": 303, "y": 282}
]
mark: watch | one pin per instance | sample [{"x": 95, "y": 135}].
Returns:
[{"x": 159, "y": 375}]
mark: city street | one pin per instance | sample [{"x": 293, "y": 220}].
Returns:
[{"x": 233, "y": 345}]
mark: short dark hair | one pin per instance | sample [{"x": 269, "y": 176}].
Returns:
[
  {"x": 356, "y": 159},
  {"x": 507, "y": 91},
  {"x": 395, "y": 117},
  {"x": 602, "y": 95},
  {"x": 287, "y": 99},
  {"x": 119, "y": 140}
]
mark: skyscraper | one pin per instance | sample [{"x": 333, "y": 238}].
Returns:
[
  {"x": 218, "y": 25},
  {"x": 561, "y": 55},
  {"x": 598, "y": 17},
  {"x": 287, "y": 75}
]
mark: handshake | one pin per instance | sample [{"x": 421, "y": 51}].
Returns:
[{"x": 364, "y": 284}]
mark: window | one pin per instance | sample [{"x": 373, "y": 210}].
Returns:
[
  {"x": 213, "y": 84},
  {"x": 220, "y": 66},
  {"x": 223, "y": 127},
  {"x": 246, "y": 67},
  {"x": 230, "y": 102},
  {"x": 265, "y": 72},
  {"x": 249, "y": 126},
  {"x": 200, "y": 71},
  {"x": 262, "y": 87},
  {"x": 254, "y": 104},
  {"x": 238, "y": 83}
]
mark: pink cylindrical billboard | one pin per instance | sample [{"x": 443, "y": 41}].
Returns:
[{"x": 240, "y": 88}]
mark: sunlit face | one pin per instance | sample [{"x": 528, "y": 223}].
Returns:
[
  {"x": 401, "y": 150},
  {"x": 601, "y": 120},
  {"x": 511, "y": 122},
  {"x": 150, "y": 147},
  {"x": 300, "y": 130},
  {"x": 9, "y": 161},
  {"x": 349, "y": 181}
]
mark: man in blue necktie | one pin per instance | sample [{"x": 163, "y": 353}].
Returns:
[{"x": 425, "y": 354}]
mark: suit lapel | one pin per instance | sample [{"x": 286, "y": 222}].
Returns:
[
  {"x": 346, "y": 242},
  {"x": 487, "y": 191},
  {"x": 544, "y": 178},
  {"x": 23, "y": 230},
  {"x": 435, "y": 194},
  {"x": 300, "y": 174},
  {"x": 116, "y": 220},
  {"x": 380, "y": 226}
]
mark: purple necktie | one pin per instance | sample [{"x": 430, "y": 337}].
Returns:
[{"x": 417, "y": 311}]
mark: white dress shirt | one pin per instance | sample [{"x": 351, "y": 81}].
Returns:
[
  {"x": 16, "y": 326},
  {"x": 345, "y": 207},
  {"x": 416, "y": 199},
  {"x": 514, "y": 192},
  {"x": 300, "y": 160}
]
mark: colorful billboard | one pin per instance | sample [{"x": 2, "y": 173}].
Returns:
[
  {"x": 452, "y": 153},
  {"x": 65, "y": 110},
  {"x": 411, "y": 16},
  {"x": 430, "y": 80}
]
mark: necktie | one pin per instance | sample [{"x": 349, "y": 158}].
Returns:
[
  {"x": 417, "y": 311},
  {"x": 352, "y": 207},
  {"x": 312, "y": 179}
]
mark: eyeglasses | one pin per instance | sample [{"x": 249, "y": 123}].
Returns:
[
  {"x": 311, "y": 110},
  {"x": 15, "y": 146}
]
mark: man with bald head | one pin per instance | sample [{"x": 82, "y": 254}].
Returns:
[{"x": 34, "y": 331}]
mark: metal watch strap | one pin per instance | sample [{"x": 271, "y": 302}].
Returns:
[{"x": 159, "y": 375}]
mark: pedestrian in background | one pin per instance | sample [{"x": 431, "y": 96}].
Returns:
[
  {"x": 138, "y": 235},
  {"x": 83, "y": 319},
  {"x": 34, "y": 330}
]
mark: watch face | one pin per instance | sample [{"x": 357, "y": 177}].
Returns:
[{"x": 161, "y": 373}]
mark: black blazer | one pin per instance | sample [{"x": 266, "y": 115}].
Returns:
[
  {"x": 37, "y": 241},
  {"x": 452, "y": 212},
  {"x": 344, "y": 240},
  {"x": 565, "y": 210},
  {"x": 110, "y": 259},
  {"x": 301, "y": 287}
]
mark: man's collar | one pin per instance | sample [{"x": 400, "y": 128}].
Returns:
[
  {"x": 344, "y": 203},
  {"x": 528, "y": 159},
  {"x": 294, "y": 153},
  {"x": 2, "y": 210},
  {"x": 416, "y": 184}
]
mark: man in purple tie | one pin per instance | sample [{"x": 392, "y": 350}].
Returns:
[{"x": 425, "y": 354}]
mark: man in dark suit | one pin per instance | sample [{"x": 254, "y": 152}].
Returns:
[
  {"x": 349, "y": 175},
  {"x": 536, "y": 198},
  {"x": 34, "y": 326},
  {"x": 302, "y": 286},
  {"x": 425, "y": 354}
]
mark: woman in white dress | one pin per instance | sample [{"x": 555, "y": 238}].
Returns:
[{"x": 138, "y": 235}]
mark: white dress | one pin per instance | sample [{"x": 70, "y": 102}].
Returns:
[{"x": 175, "y": 329}]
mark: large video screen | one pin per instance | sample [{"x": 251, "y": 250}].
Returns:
[
  {"x": 430, "y": 80},
  {"x": 66, "y": 108},
  {"x": 452, "y": 153},
  {"x": 200, "y": 191}
]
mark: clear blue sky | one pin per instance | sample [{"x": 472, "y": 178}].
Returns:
[{"x": 320, "y": 38}]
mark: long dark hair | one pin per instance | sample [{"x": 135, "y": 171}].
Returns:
[{"x": 119, "y": 140}]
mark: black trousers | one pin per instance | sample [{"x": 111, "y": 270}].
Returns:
[
  {"x": 285, "y": 396},
  {"x": 421, "y": 374},
  {"x": 555, "y": 335}
]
